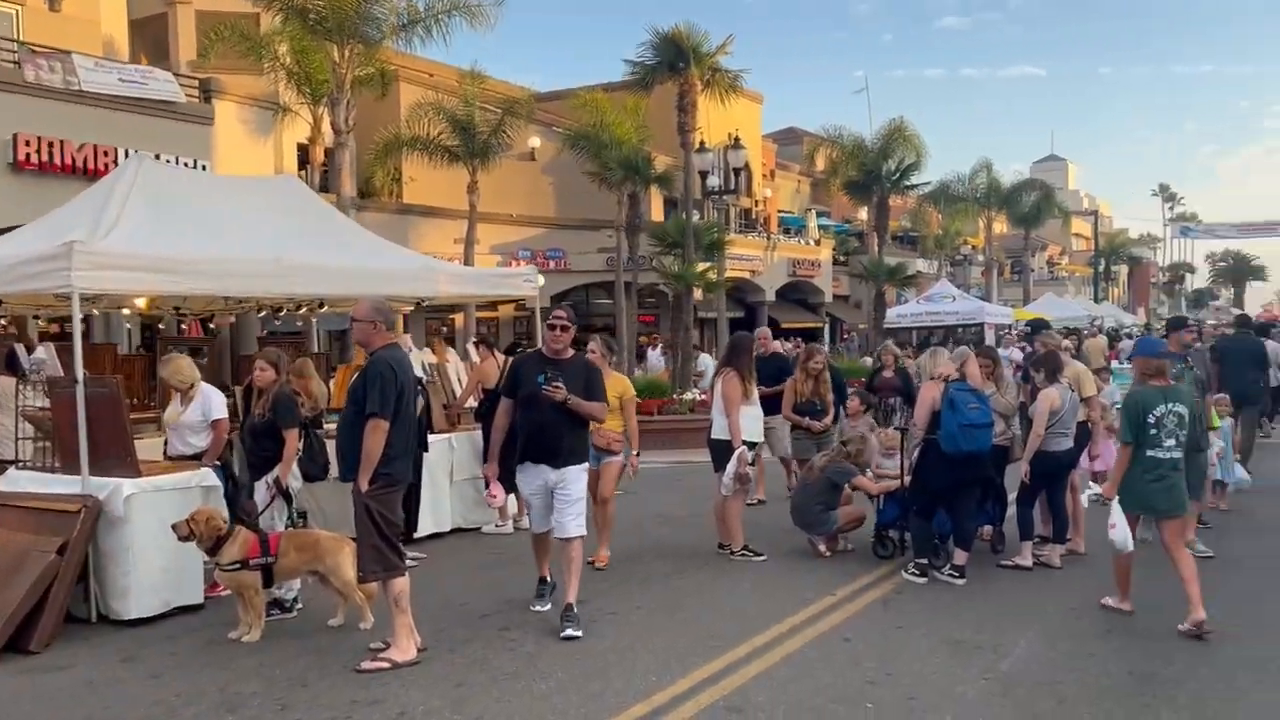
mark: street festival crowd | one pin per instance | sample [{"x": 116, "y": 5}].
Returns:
[{"x": 928, "y": 440}]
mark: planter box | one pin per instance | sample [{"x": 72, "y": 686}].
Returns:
[{"x": 674, "y": 432}]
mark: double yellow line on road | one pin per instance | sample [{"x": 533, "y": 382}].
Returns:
[{"x": 711, "y": 694}]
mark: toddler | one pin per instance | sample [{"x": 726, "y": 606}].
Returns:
[
  {"x": 887, "y": 464},
  {"x": 1225, "y": 442},
  {"x": 1099, "y": 467}
]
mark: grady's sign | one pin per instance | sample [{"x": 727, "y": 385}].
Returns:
[{"x": 56, "y": 156}]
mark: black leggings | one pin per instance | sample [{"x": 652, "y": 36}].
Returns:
[
  {"x": 996, "y": 497},
  {"x": 940, "y": 482},
  {"x": 1050, "y": 472}
]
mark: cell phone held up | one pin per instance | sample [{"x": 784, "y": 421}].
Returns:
[{"x": 552, "y": 377}]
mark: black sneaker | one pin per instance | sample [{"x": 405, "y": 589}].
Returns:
[
  {"x": 748, "y": 553},
  {"x": 1203, "y": 524},
  {"x": 998, "y": 541},
  {"x": 916, "y": 571},
  {"x": 542, "y": 595},
  {"x": 724, "y": 548},
  {"x": 282, "y": 609},
  {"x": 570, "y": 623},
  {"x": 952, "y": 574}
]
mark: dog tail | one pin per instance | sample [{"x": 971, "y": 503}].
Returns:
[{"x": 369, "y": 591}]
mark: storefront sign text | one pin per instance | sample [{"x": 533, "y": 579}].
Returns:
[
  {"x": 56, "y": 156},
  {"x": 549, "y": 260},
  {"x": 643, "y": 261},
  {"x": 839, "y": 284},
  {"x": 805, "y": 267},
  {"x": 647, "y": 319},
  {"x": 744, "y": 262}
]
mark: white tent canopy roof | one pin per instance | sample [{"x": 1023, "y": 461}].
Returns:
[
  {"x": 945, "y": 305},
  {"x": 1059, "y": 310},
  {"x": 1113, "y": 314},
  {"x": 208, "y": 242}
]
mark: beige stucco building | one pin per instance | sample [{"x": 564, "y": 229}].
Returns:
[{"x": 536, "y": 207}]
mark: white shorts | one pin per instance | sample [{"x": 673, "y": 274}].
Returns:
[{"x": 556, "y": 499}]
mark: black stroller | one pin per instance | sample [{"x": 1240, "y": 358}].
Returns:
[{"x": 893, "y": 516}]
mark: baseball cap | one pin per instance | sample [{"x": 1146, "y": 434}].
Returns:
[
  {"x": 1150, "y": 347},
  {"x": 1177, "y": 323},
  {"x": 1035, "y": 326},
  {"x": 566, "y": 313}
]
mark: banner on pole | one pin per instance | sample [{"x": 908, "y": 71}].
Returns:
[{"x": 1226, "y": 231}]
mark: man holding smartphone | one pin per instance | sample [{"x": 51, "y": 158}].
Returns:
[{"x": 553, "y": 394}]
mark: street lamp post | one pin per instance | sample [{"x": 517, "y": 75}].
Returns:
[
  {"x": 705, "y": 163},
  {"x": 537, "y": 311},
  {"x": 1095, "y": 262}
]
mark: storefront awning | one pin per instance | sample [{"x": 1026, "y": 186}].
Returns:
[
  {"x": 842, "y": 310},
  {"x": 790, "y": 315},
  {"x": 706, "y": 309}
]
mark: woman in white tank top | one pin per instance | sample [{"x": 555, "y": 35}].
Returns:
[{"x": 737, "y": 427}]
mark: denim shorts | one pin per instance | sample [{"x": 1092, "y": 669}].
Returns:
[{"x": 597, "y": 457}]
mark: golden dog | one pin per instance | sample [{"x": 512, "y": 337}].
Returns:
[{"x": 328, "y": 557}]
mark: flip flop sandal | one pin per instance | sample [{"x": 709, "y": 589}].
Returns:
[
  {"x": 386, "y": 665},
  {"x": 1015, "y": 565},
  {"x": 385, "y": 645},
  {"x": 1041, "y": 540},
  {"x": 844, "y": 546},
  {"x": 1068, "y": 552},
  {"x": 600, "y": 562},
  {"x": 752, "y": 502},
  {"x": 414, "y": 555},
  {"x": 1195, "y": 631},
  {"x": 819, "y": 547},
  {"x": 1042, "y": 561},
  {"x": 1111, "y": 605}
]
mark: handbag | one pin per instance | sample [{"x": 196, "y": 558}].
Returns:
[
  {"x": 606, "y": 440},
  {"x": 313, "y": 456}
]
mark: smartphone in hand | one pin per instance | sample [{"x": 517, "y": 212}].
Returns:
[{"x": 552, "y": 377}]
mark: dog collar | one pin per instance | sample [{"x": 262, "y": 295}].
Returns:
[{"x": 220, "y": 542}]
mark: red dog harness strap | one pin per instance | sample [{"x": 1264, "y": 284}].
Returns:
[{"x": 262, "y": 556}]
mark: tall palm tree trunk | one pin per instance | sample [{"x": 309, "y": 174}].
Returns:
[
  {"x": 342, "y": 112},
  {"x": 619, "y": 277},
  {"x": 1027, "y": 270},
  {"x": 634, "y": 217},
  {"x": 315, "y": 151},
  {"x": 989, "y": 265},
  {"x": 1237, "y": 295},
  {"x": 469, "y": 252},
  {"x": 686, "y": 114},
  {"x": 881, "y": 225}
]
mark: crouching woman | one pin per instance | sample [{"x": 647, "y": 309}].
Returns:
[{"x": 822, "y": 504}]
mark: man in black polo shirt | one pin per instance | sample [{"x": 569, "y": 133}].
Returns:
[
  {"x": 553, "y": 394},
  {"x": 773, "y": 369},
  {"x": 376, "y": 441},
  {"x": 1241, "y": 369}
]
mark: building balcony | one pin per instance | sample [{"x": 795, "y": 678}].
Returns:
[{"x": 12, "y": 53}]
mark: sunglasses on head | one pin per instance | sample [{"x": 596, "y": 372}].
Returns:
[{"x": 559, "y": 327}]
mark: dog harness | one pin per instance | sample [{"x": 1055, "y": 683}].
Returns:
[{"x": 262, "y": 555}]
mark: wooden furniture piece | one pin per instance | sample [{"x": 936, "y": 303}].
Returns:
[
  {"x": 111, "y": 449},
  {"x": 138, "y": 381}
]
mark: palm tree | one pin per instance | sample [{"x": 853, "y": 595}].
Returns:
[
  {"x": 1176, "y": 275},
  {"x": 982, "y": 189},
  {"x": 1186, "y": 217},
  {"x": 354, "y": 35},
  {"x": 1117, "y": 250},
  {"x": 668, "y": 243},
  {"x": 941, "y": 232},
  {"x": 685, "y": 56},
  {"x": 1030, "y": 203},
  {"x": 1199, "y": 298},
  {"x": 611, "y": 142},
  {"x": 872, "y": 171},
  {"x": 473, "y": 131},
  {"x": 882, "y": 275},
  {"x": 294, "y": 63},
  {"x": 1235, "y": 269},
  {"x": 1170, "y": 201}
]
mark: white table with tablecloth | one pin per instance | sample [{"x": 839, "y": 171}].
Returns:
[{"x": 140, "y": 569}]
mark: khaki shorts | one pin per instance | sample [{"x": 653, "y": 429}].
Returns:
[{"x": 777, "y": 436}]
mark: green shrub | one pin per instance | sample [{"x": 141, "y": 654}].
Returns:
[
  {"x": 853, "y": 369},
  {"x": 651, "y": 387}
]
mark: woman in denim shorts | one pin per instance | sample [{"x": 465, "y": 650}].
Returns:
[{"x": 614, "y": 445}]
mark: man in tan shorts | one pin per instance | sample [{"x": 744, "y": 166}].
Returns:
[{"x": 773, "y": 369}]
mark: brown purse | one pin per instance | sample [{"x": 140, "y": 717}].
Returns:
[{"x": 606, "y": 440}]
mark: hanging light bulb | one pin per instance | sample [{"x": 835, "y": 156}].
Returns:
[{"x": 126, "y": 311}]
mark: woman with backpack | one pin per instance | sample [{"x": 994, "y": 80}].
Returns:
[
  {"x": 947, "y": 479},
  {"x": 1047, "y": 463}
]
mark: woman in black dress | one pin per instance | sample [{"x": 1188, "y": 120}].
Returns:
[{"x": 486, "y": 384}]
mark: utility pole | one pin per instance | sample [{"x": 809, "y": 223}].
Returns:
[
  {"x": 865, "y": 90},
  {"x": 1097, "y": 277}
]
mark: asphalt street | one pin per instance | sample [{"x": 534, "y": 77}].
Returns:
[{"x": 674, "y": 630}]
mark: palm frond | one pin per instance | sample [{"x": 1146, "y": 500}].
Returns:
[{"x": 685, "y": 53}]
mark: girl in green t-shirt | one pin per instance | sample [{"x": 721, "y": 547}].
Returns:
[{"x": 1148, "y": 477}]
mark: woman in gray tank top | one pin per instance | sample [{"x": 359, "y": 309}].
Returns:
[{"x": 1046, "y": 464}]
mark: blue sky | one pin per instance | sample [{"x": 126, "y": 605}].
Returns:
[{"x": 1134, "y": 92}]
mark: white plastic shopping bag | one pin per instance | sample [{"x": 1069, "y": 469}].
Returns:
[
  {"x": 1118, "y": 531},
  {"x": 1242, "y": 480}
]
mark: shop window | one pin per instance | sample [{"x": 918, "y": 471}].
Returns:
[
  {"x": 10, "y": 33},
  {"x": 149, "y": 40},
  {"x": 304, "y": 166},
  {"x": 207, "y": 20}
]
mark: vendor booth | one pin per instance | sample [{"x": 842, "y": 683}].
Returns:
[
  {"x": 1059, "y": 311},
  {"x": 945, "y": 305},
  {"x": 1115, "y": 316},
  {"x": 201, "y": 243}
]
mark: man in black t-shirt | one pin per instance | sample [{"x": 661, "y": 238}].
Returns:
[
  {"x": 553, "y": 394},
  {"x": 376, "y": 440},
  {"x": 773, "y": 369}
]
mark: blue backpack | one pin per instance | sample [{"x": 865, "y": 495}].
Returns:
[{"x": 967, "y": 426}]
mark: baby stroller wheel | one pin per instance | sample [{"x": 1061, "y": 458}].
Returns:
[
  {"x": 883, "y": 547},
  {"x": 940, "y": 557}
]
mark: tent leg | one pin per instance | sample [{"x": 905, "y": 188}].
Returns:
[{"x": 82, "y": 433}]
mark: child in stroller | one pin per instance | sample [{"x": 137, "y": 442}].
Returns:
[{"x": 893, "y": 509}]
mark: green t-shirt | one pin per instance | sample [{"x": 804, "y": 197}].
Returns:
[{"x": 1155, "y": 420}]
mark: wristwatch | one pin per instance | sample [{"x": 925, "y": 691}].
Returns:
[
  {"x": 568, "y": 400},
  {"x": 635, "y": 453}
]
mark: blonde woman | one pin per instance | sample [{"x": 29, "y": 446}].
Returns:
[
  {"x": 615, "y": 445},
  {"x": 313, "y": 394},
  {"x": 271, "y": 438},
  {"x": 808, "y": 403},
  {"x": 196, "y": 425}
]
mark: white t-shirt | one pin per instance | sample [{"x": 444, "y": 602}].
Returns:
[
  {"x": 190, "y": 432},
  {"x": 655, "y": 361},
  {"x": 1273, "y": 357},
  {"x": 1010, "y": 356},
  {"x": 1123, "y": 348},
  {"x": 706, "y": 365}
]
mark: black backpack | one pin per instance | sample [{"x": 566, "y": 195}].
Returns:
[{"x": 313, "y": 456}]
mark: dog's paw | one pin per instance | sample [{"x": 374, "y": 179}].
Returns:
[
  {"x": 237, "y": 634},
  {"x": 336, "y": 622},
  {"x": 366, "y": 624}
]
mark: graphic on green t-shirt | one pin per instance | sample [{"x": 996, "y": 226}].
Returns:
[{"x": 1155, "y": 421}]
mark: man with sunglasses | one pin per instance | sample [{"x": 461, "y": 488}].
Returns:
[{"x": 553, "y": 394}]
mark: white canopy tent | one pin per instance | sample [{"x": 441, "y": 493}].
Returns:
[
  {"x": 1115, "y": 315},
  {"x": 1058, "y": 310},
  {"x": 209, "y": 243},
  {"x": 945, "y": 305}
]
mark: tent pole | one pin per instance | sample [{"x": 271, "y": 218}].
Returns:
[{"x": 82, "y": 432}]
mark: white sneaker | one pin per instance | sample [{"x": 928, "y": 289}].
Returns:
[
  {"x": 522, "y": 522},
  {"x": 498, "y": 528}
]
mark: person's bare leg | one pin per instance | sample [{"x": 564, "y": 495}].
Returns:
[
  {"x": 542, "y": 552},
  {"x": 605, "y": 505},
  {"x": 405, "y": 639},
  {"x": 1075, "y": 514},
  {"x": 1171, "y": 536},
  {"x": 734, "y": 508},
  {"x": 571, "y": 567},
  {"x": 593, "y": 502},
  {"x": 522, "y": 510},
  {"x": 718, "y": 509},
  {"x": 1122, "y": 571},
  {"x": 789, "y": 470},
  {"x": 757, "y": 489}
]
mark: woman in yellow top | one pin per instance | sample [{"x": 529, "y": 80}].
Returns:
[{"x": 615, "y": 443}]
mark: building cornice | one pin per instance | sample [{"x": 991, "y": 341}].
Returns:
[
  {"x": 489, "y": 218},
  {"x": 190, "y": 112}
]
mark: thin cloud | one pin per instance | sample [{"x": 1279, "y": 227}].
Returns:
[
  {"x": 1192, "y": 69},
  {"x": 886, "y": 38},
  {"x": 974, "y": 72},
  {"x": 1271, "y": 123},
  {"x": 934, "y": 73},
  {"x": 861, "y": 8},
  {"x": 1244, "y": 104},
  {"x": 1013, "y": 71},
  {"x": 859, "y": 73},
  {"x": 953, "y": 22},
  {"x": 1017, "y": 71},
  {"x": 1104, "y": 71}
]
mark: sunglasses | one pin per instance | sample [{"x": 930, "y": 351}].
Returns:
[{"x": 559, "y": 327}]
